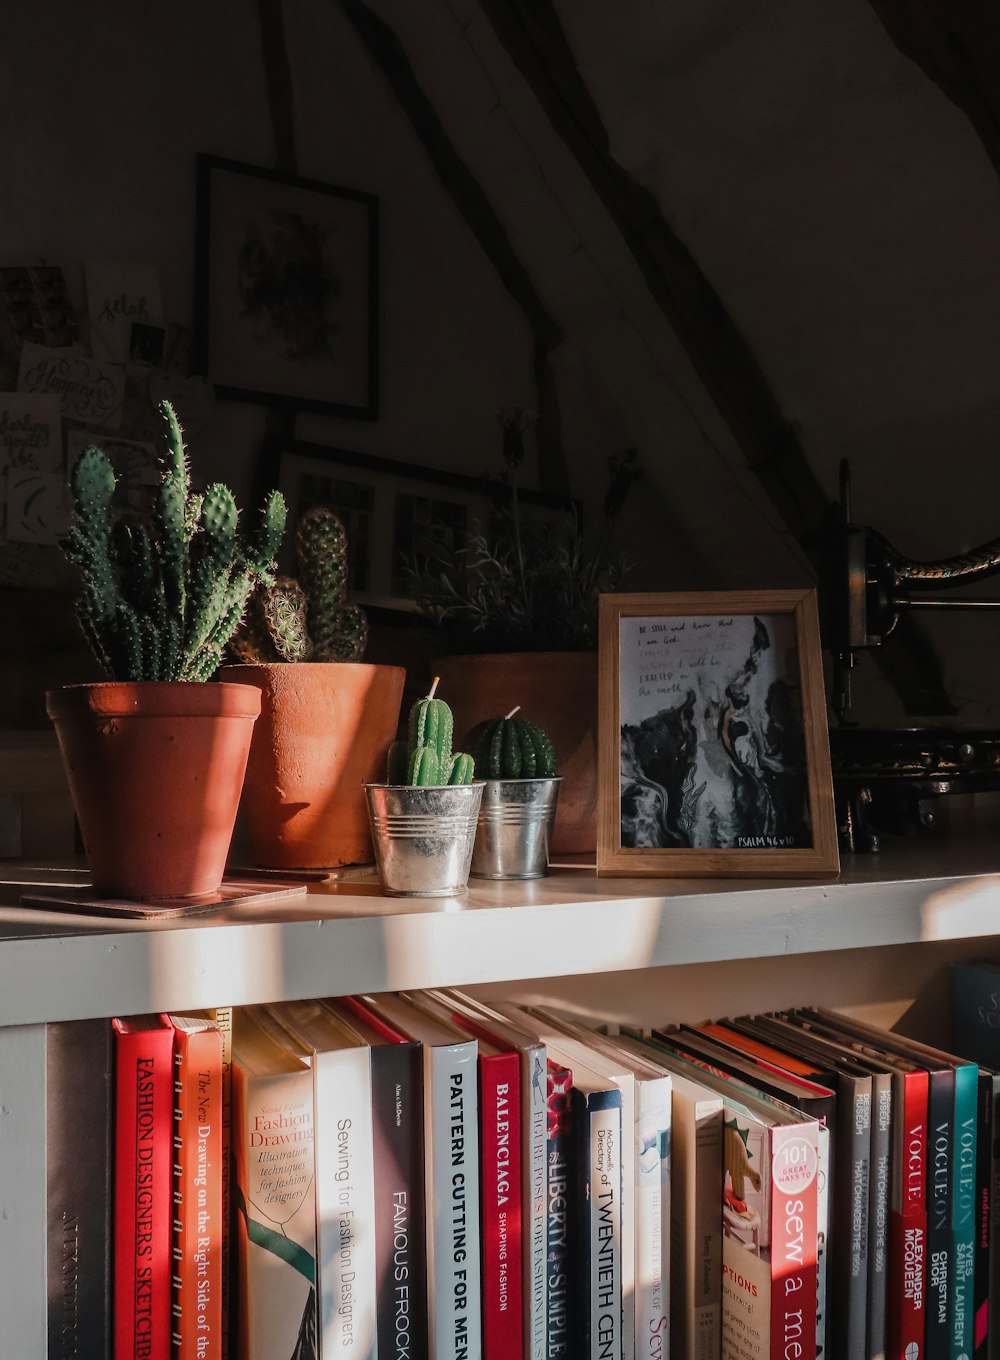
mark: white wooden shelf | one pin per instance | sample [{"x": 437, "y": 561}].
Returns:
[{"x": 351, "y": 938}]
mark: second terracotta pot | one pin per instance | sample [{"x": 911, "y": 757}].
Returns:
[{"x": 323, "y": 733}]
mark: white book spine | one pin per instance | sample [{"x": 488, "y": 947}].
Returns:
[
  {"x": 345, "y": 1202},
  {"x": 453, "y": 1239},
  {"x": 534, "y": 1172},
  {"x": 606, "y": 1233},
  {"x": 652, "y": 1217}
]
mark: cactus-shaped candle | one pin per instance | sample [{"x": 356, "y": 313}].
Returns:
[
  {"x": 511, "y": 748},
  {"x": 307, "y": 617},
  {"x": 426, "y": 758}
]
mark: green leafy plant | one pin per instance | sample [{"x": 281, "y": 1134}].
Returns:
[
  {"x": 426, "y": 757},
  {"x": 162, "y": 598},
  {"x": 511, "y": 748},
  {"x": 306, "y": 618},
  {"x": 522, "y": 585}
]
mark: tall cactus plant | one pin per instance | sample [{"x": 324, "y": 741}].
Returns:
[
  {"x": 306, "y": 618},
  {"x": 161, "y": 599}
]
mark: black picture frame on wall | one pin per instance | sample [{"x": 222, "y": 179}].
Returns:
[
  {"x": 286, "y": 289},
  {"x": 388, "y": 508}
]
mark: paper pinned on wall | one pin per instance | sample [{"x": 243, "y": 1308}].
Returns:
[
  {"x": 32, "y": 470},
  {"x": 88, "y": 391},
  {"x": 117, "y": 296}
]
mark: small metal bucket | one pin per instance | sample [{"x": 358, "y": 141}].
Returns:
[
  {"x": 423, "y": 837},
  {"x": 515, "y": 828}
]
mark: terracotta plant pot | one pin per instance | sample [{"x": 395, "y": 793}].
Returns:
[
  {"x": 324, "y": 730},
  {"x": 155, "y": 770},
  {"x": 557, "y": 690}
]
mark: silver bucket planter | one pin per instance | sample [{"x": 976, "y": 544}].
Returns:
[
  {"x": 423, "y": 837},
  {"x": 515, "y": 828}
]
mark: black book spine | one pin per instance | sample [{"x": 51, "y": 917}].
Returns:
[
  {"x": 878, "y": 1215},
  {"x": 988, "y": 1134},
  {"x": 580, "y": 1256},
  {"x": 400, "y": 1247},
  {"x": 78, "y": 1169},
  {"x": 940, "y": 1251}
]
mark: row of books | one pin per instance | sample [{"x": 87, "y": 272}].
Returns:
[{"x": 425, "y": 1175}]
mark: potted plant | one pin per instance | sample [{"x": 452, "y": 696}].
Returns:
[
  {"x": 423, "y": 818},
  {"x": 327, "y": 717},
  {"x": 517, "y": 762},
  {"x": 518, "y": 615},
  {"x": 155, "y": 759}
]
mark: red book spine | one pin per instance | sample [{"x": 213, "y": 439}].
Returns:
[
  {"x": 794, "y": 1170},
  {"x": 143, "y": 1191},
  {"x": 198, "y": 1221},
  {"x": 500, "y": 1160},
  {"x": 908, "y": 1239}
]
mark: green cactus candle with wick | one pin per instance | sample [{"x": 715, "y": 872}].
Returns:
[
  {"x": 161, "y": 599},
  {"x": 511, "y": 748},
  {"x": 426, "y": 759}
]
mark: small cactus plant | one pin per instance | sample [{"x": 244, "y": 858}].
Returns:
[
  {"x": 511, "y": 748},
  {"x": 161, "y": 600},
  {"x": 306, "y": 618},
  {"x": 426, "y": 759}
]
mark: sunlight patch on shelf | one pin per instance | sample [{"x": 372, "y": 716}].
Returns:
[{"x": 965, "y": 909}]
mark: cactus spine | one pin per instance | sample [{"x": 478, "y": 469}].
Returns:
[
  {"x": 160, "y": 601},
  {"x": 426, "y": 757},
  {"x": 307, "y": 618},
  {"x": 511, "y": 748}
]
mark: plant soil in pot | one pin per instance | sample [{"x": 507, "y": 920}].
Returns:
[
  {"x": 155, "y": 772},
  {"x": 323, "y": 734}
]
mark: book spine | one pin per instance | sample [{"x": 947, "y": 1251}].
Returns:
[
  {"x": 223, "y": 1017},
  {"x": 559, "y": 1204},
  {"x": 794, "y": 1181},
  {"x": 78, "y": 1178},
  {"x": 652, "y": 1176},
  {"x": 197, "y": 1251},
  {"x": 274, "y": 1201},
  {"x": 963, "y": 1209},
  {"x": 400, "y": 1254},
  {"x": 878, "y": 1217},
  {"x": 908, "y": 1229},
  {"x": 940, "y": 1235},
  {"x": 993, "y": 1316},
  {"x": 984, "y": 1208},
  {"x": 704, "y": 1244},
  {"x": 604, "y": 1169},
  {"x": 500, "y": 1197},
  {"x": 534, "y": 1198},
  {"x": 453, "y": 1218},
  {"x": 345, "y": 1200},
  {"x": 143, "y": 1192},
  {"x": 851, "y": 1224}
]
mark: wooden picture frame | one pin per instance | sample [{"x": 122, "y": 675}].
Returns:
[
  {"x": 388, "y": 508},
  {"x": 713, "y": 744},
  {"x": 286, "y": 289}
]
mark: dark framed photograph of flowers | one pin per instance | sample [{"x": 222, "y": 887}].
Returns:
[{"x": 286, "y": 285}]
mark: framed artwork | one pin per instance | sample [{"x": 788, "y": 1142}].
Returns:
[
  {"x": 392, "y": 510},
  {"x": 286, "y": 286},
  {"x": 714, "y": 754}
]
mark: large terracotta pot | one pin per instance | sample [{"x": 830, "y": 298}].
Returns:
[
  {"x": 155, "y": 770},
  {"x": 557, "y": 690},
  {"x": 324, "y": 730}
]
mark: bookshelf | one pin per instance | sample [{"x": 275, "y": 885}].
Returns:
[{"x": 876, "y": 941}]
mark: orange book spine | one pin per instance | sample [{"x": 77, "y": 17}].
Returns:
[{"x": 198, "y": 1228}]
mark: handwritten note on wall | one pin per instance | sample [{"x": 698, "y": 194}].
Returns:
[
  {"x": 117, "y": 295},
  {"x": 32, "y": 471},
  {"x": 88, "y": 391}
]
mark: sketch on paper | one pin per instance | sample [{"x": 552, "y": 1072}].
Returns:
[{"x": 713, "y": 752}]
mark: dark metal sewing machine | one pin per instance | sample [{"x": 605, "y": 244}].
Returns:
[{"x": 891, "y": 779}]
